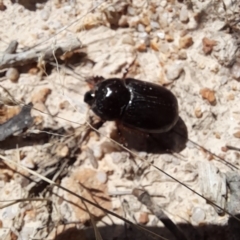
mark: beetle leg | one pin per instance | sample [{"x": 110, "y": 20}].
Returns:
[
  {"x": 128, "y": 67},
  {"x": 92, "y": 81}
]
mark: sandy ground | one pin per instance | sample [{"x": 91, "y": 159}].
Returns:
[{"x": 187, "y": 47}]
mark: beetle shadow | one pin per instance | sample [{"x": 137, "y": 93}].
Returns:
[{"x": 172, "y": 141}]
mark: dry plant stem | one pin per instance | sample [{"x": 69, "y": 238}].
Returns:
[
  {"x": 162, "y": 171},
  {"x": 67, "y": 70},
  {"x": 16, "y": 123},
  {"x": 212, "y": 153},
  {"x": 9, "y": 161},
  {"x": 9, "y": 99},
  {"x": 232, "y": 148},
  {"x": 144, "y": 197},
  {"x": 70, "y": 43},
  {"x": 134, "y": 154},
  {"x": 12, "y": 47},
  {"x": 14, "y": 201},
  {"x": 94, "y": 225}
]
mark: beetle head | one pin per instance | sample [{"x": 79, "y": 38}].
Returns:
[
  {"x": 108, "y": 99},
  {"x": 89, "y": 97}
]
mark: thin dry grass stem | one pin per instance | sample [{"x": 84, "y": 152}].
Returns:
[
  {"x": 94, "y": 225},
  {"x": 14, "y": 201},
  {"x": 150, "y": 164},
  {"x": 144, "y": 197},
  {"x": 136, "y": 155},
  {"x": 42, "y": 64},
  {"x": 56, "y": 61},
  {"x": 9, "y": 100},
  {"x": 162, "y": 171},
  {"x": 212, "y": 153},
  {"x": 9, "y": 161},
  {"x": 40, "y": 54},
  {"x": 50, "y": 133},
  {"x": 67, "y": 70},
  {"x": 233, "y": 148},
  {"x": 12, "y": 101}
]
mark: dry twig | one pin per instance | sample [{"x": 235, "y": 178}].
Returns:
[{"x": 70, "y": 43}]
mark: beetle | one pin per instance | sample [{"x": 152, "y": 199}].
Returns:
[{"x": 137, "y": 104}]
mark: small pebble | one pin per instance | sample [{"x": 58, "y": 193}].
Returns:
[
  {"x": 55, "y": 25},
  {"x": 57, "y": 3},
  {"x": 2, "y": 6},
  {"x": 143, "y": 218},
  {"x": 102, "y": 177},
  {"x": 237, "y": 134},
  {"x": 198, "y": 112},
  {"x": 163, "y": 3},
  {"x": 28, "y": 162},
  {"x": 163, "y": 20},
  {"x": 144, "y": 38},
  {"x": 174, "y": 71},
  {"x": 148, "y": 29},
  {"x": 39, "y": 5},
  {"x": 117, "y": 157},
  {"x": 131, "y": 11},
  {"x": 230, "y": 97},
  {"x": 198, "y": 215},
  {"x": 10, "y": 212},
  {"x": 167, "y": 158},
  {"x": 208, "y": 45},
  {"x": 235, "y": 71},
  {"x": 214, "y": 67},
  {"x": 192, "y": 24},
  {"x": 224, "y": 149},
  {"x": 140, "y": 28},
  {"x": 184, "y": 15},
  {"x": 154, "y": 44},
  {"x": 182, "y": 54},
  {"x": 154, "y": 25},
  {"x": 164, "y": 48},
  {"x": 123, "y": 21},
  {"x": 161, "y": 35},
  {"x": 62, "y": 151},
  {"x": 67, "y": 8},
  {"x": 217, "y": 135},
  {"x": 128, "y": 39},
  {"x": 45, "y": 27},
  {"x": 209, "y": 95},
  {"x": 145, "y": 20},
  {"x": 41, "y": 96},
  {"x": 33, "y": 70},
  {"x": 142, "y": 47},
  {"x": 12, "y": 74},
  {"x": 45, "y": 14},
  {"x": 185, "y": 42},
  {"x": 97, "y": 151},
  {"x": 169, "y": 37},
  {"x": 223, "y": 80},
  {"x": 133, "y": 21}
]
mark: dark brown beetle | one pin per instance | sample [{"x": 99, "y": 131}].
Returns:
[{"x": 136, "y": 104}]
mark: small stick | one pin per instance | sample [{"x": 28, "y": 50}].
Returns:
[
  {"x": 8, "y": 59},
  {"x": 144, "y": 197},
  {"x": 12, "y": 47}
]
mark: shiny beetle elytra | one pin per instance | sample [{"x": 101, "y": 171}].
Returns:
[{"x": 136, "y": 104}]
